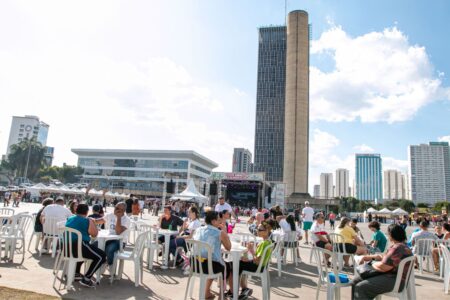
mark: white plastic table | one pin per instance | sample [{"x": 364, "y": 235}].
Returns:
[
  {"x": 102, "y": 237},
  {"x": 236, "y": 252},
  {"x": 167, "y": 234}
]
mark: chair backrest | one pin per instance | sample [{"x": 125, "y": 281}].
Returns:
[
  {"x": 423, "y": 247},
  {"x": 50, "y": 226},
  {"x": 322, "y": 268},
  {"x": 24, "y": 222},
  {"x": 290, "y": 239},
  {"x": 445, "y": 252},
  {"x": 405, "y": 263},
  {"x": 6, "y": 211},
  {"x": 69, "y": 242},
  {"x": 139, "y": 245},
  {"x": 336, "y": 239},
  {"x": 197, "y": 250},
  {"x": 246, "y": 238},
  {"x": 261, "y": 261}
]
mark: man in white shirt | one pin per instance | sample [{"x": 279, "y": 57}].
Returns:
[
  {"x": 308, "y": 215},
  {"x": 118, "y": 222},
  {"x": 318, "y": 233},
  {"x": 56, "y": 210},
  {"x": 222, "y": 205}
]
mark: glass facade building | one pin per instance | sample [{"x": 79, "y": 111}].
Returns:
[
  {"x": 142, "y": 171},
  {"x": 368, "y": 177},
  {"x": 270, "y": 99}
]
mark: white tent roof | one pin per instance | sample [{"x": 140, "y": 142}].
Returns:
[
  {"x": 385, "y": 211},
  {"x": 37, "y": 187},
  {"x": 372, "y": 210},
  {"x": 399, "y": 211},
  {"x": 190, "y": 194},
  {"x": 76, "y": 191}
]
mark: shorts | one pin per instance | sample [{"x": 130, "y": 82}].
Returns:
[
  {"x": 332, "y": 222},
  {"x": 321, "y": 244},
  {"x": 217, "y": 267},
  {"x": 307, "y": 225},
  {"x": 349, "y": 248}
]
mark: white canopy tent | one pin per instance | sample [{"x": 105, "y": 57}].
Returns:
[
  {"x": 372, "y": 210},
  {"x": 385, "y": 211},
  {"x": 399, "y": 211},
  {"x": 190, "y": 194}
]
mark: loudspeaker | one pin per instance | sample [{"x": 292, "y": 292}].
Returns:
[
  {"x": 170, "y": 187},
  {"x": 213, "y": 189},
  {"x": 269, "y": 195}
]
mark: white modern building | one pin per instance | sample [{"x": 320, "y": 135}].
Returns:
[
  {"x": 393, "y": 185},
  {"x": 242, "y": 160},
  {"x": 143, "y": 172},
  {"x": 326, "y": 185},
  {"x": 27, "y": 127},
  {"x": 316, "y": 192},
  {"x": 342, "y": 183},
  {"x": 429, "y": 168}
]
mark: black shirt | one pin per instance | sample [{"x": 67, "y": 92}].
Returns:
[
  {"x": 129, "y": 203},
  {"x": 173, "y": 220}
]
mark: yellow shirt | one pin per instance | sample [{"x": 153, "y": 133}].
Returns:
[{"x": 347, "y": 232}]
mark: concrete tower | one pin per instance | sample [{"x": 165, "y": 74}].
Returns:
[{"x": 296, "y": 127}]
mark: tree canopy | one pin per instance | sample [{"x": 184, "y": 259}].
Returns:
[
  {"x": 66, "y": 173},
  {"x": 27, "y": 150}
]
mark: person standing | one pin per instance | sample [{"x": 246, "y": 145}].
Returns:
[
  {"x": 129, "y": 205},
  {"x": 222, "y": 205},
  {"x": 308, "y": 215},
  {"x": 332, "y": 219}
]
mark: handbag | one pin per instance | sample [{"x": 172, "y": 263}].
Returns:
[{"x": 366, "y": 271}]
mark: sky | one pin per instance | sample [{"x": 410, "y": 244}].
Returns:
[{"x": 181, "y": 75}]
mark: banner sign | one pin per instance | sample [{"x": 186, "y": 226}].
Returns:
[{"x": 237, "y": 176}]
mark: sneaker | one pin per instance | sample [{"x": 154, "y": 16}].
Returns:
[
  {"x": 87, "y": 282},
  {"x": 245, "y": 293},
  {"x": 78, "y": 277},
  {"x": 229, "y": 294},
  {"x": 44, "y": 251}
]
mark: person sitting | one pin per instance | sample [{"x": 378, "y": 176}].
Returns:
[
  {"x": 386, "y": 265},
  {"x": 97, "y": 213},
  {"x": 73, "y": 205},
  {"x": 251, "y": 263},
  {"x": 287, "y": 225},
  {"x": 215, "y": 235},
  {"x": 438, "y": 231},
  {"x": 38, "y": 228},
  {"x": 379, "y": 240},
  {"x": 353, "y": 225},
  {"x": 318, "y": 233},
  {"x": 188, "y": 230},
  {"x": 352, "y": 243},
  {"x": 88, "y": 229},
  {"x": 435, "y": 251},
  {"x": 118, "y": 222}
]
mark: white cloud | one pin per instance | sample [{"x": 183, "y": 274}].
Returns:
[
  {"x": 445, "y": 138},
  {"x": 363, "y": 148},
  {"x": 378, "y": 76},
  {"x": 390, "y": 163}
]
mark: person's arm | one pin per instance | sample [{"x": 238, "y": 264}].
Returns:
[
  {"x": 92, "y": 230},
  {"x": 119, "y": 227},
  {"x": 279, "y": 218},
  {"x": 225, "y": 239}
]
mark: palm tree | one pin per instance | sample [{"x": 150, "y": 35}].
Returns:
[{"x": 26, "y": 157}]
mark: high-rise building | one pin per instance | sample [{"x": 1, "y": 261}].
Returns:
[
  {"x": 429, "y": 167},
  {"x": 296, "y": 118},
  {"x": 326, "y": 185},
  {"x": 393, "y": 185},
  {"x": 242, "y": 160},
  {"x": 316, "y": 192},
  {"x": 270, "y": 94},
  {"x": 342, "y": 183},
  {"x": 368, "y": 177},
  {"x": 27, "y": 127}
]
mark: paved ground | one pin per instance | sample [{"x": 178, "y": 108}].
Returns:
[{"x": 295, "y": 283}]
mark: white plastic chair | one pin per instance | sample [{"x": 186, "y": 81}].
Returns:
[
  {"x": 263, "y": 273},
  {"x": 50, "y": 232},
  {"x": 446, "y": 243},
  {"x": 152, "y": 245},
  {"x": 333, "y": 288},
  {"x": 290, "y": 243},
  {"x": 278, "y": 240},
  {"x": 446, "y": 260},
  {"x": 14, "y": 233},
  {"x": 6, "y": 211},
  {"x": 67, "y": 256},
  {"x": 336, "y": 241},
  {"x": 423, "y": 250},
  {"x": 197, "y": 251},
  {"x": 135, "y": 256},
  {"x": 409, "y": 290},
  {"x": 245, "y": 238}
]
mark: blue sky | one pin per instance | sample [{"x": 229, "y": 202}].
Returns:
[{"x": 182, "y": 75}]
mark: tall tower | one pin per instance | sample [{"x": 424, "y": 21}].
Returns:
[
  {"x": 296, "y": 112},
  {"x": 342, "y": 184},
  {"x": 326, "y": 186},
  {"x": 368, "y": 170},
  {"x": 270, "y": 93}
]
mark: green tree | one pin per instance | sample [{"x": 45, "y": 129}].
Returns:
[
  {"x": 407, "y": 205},
  {"x": 66, "y": 173},
  {"x": 27, "y": 150},
  {"x": 423, "y": 205},
  {"x": 438, "y": 206}
]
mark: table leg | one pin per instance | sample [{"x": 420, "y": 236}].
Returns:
[
  {"x": 101, "y": 246},
  {"x": 166, "y": 252},
  {"x": 236, "y": 258}
]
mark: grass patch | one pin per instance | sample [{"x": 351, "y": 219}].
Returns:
[{"x": 15, "y": 294}]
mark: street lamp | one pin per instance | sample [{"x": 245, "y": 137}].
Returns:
[{"x": 28, "y": 129}]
